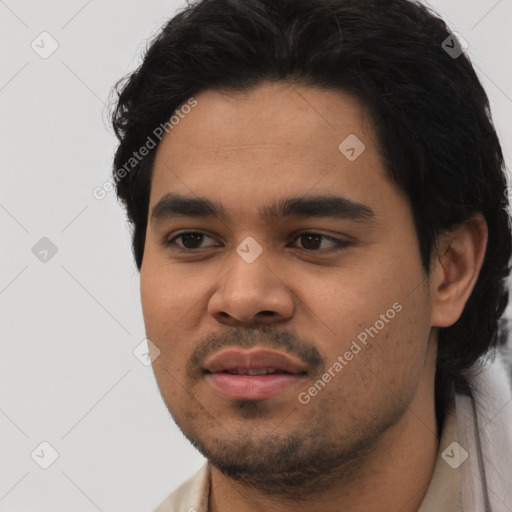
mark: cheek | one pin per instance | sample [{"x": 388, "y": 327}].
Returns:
[
  {"x": 164, "y": 305},
  {"x": 381, "y": 363},
  {"x": 162, "y": 309},
  {"x": 167, "y": 296},
  {"x": 346, "y": 301},
  {"x": 383, "y": 305}
]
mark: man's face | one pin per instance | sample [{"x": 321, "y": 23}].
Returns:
[{"x": 281, "y": 284}]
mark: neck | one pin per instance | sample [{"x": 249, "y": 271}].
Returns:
[{"x": 394, "y": 476}]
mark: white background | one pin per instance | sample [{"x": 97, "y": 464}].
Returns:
[{"x": 67, "y": 372}]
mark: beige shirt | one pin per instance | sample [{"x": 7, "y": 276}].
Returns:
[
  {"x": 443, "y": 494},
  {"x": 445, "y": 489}
]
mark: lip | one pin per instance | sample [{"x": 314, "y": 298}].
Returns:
[{"x": 252, "y": 387}]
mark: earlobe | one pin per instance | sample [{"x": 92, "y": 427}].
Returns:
[{"x": 456, "y": 269}]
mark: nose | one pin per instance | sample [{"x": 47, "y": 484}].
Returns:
[{"x": 251, "y": 293}]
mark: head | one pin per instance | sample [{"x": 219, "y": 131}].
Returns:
[{"x": 341, "y": 147}]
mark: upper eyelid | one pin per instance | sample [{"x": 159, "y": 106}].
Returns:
[{"x": 177, "y": 235}]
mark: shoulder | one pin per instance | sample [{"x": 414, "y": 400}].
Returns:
[{"x": 191, "y": 495}]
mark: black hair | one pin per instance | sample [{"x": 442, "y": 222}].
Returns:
[{"x": 430, "y": 112}]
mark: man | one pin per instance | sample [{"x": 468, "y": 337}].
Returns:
[{"x": 319, "y": 205}]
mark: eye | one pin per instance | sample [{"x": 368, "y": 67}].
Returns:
[
  {"x": 191, "y": 240},
  {"x": 311, "y": 242}
]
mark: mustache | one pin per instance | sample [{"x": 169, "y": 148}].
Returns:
[{"x": 263, "y": 336}]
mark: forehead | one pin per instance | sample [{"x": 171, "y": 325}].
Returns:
[{"x": 273, "y": 141}]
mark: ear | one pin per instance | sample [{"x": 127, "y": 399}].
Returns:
[{"x": 456, "y": 268}]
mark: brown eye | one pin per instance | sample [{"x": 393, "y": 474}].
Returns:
[
  {"x": 313, "y": 242},
  {"x": 190, "y": 240}
]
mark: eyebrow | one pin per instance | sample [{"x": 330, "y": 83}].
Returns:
[{"x": 338, "y": 207}]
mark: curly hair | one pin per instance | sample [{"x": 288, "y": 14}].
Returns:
[{"x": 431, "y": 114}]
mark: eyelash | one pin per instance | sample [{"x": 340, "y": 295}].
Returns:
[{"x": 340, "y": 244}]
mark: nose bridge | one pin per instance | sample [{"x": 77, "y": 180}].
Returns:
[
  {"x": 250, "y": 275},
  {"x": 249, "y": 250},
  {"x": 251, "y": 286}
]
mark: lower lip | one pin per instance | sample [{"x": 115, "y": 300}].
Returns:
[{"x": 252, "y": 387}]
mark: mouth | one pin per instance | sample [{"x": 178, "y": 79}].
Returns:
[
  {"x": 253, "y": 375},
  {"x": 257, "y": 371}
]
